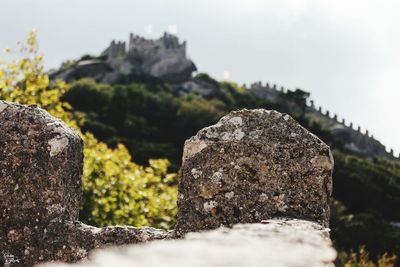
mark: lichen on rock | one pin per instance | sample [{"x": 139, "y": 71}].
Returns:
[
  {"x": 40, "y": 190},
  {"x": 255, "y": 165},
  {"x": 250, "y": 166}
]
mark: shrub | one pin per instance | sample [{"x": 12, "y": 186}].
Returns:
[{"x": 115, "y": 190}]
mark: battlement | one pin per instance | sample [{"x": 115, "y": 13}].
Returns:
[
  {"x": 266, "y": 91},
  {"x": 116, "y": 49},
  {"x": 266, "y": 86},
  {"x": 166, "y": 46},
  {"x": 367, "y": 138},
  {"x": 57, "y": 235},
  {"x": 357, "y": 137}
]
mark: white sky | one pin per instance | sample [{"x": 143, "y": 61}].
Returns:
[{"x": 345, "y": 52}]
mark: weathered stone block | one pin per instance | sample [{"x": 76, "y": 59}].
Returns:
[
  {"x": 40, "y": 190},
  {"x": 253, "y": 165},
  {"x": 40, "y": 167}
]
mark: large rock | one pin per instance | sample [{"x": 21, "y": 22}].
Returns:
[
  {"x": 253, "y": 165},
  {"x": 40, "y": 167},
  {"x": 173, "y": 69},
  {"x": 40, "y": 189},
  {"x": 277, "y": 242}
]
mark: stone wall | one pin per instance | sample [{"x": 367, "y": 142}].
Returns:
[
  {"x": 356, "y": 140},
  {"x": 275, "y": 242},
  {"x": 40, "y": 190},
  {"x": 257, "y": 171}
]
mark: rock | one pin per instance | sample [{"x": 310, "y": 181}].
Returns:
[
  {"x": 277, "y": 242},
  {"x": 40, "y": 190},
  {"x": 250, "y": 166},
  {"x": 95, "y": 69},
  {"x": 173, "y": 70},
  {"x": 40, "y": 167}
]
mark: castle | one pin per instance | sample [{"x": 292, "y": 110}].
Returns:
[
  {"x": 164, "y": 58},
  {"x": 356, "y": 141},
  {"x": 166, "y": 46}
]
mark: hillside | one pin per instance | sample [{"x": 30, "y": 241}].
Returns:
[{"x": 147, "y": 98}]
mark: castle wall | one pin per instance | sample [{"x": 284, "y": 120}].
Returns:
[
  {"x": 39, "y": 220},
  {"x": 151, "y": 51},
  {"x": 359, "y": 142}
]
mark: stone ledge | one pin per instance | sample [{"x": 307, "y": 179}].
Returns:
[{"x": 275, "y": 242}]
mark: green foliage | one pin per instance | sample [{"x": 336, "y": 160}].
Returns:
[
  {"x": 153, "y": 120},
  {"x": 368, "y": 184},
  {"x": 361, "y": 258},
  {"x": 68, "y": 64},
  {"x": 367, "y": 228},
  {"x": 369, "y": 198},
  {"x": 118, "y": 191},
  {"x": 142, "y": 118},
  {"x": 115, "y": 190},
  {"x": 88, "y": 57}
]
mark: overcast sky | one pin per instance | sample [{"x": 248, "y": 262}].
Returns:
[{"x": 345, "y": 52}]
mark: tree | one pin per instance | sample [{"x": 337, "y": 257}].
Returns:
[{"x": 115, "y": 189}]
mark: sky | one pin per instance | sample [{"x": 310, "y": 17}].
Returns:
[{"x": 346, "y": 53}]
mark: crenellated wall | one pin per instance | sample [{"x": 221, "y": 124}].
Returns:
[
  {"x": 244, "y": 173},
  {"x": 357, "y": 141}
]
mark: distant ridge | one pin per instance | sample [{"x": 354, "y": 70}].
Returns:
[{"x": 355, "y": 140}]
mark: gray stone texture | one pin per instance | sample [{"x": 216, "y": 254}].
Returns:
[
  {"x": 253, "y": 165},
  {"x": 276, "y": 242},
  {"x": 40, "y": 190}
]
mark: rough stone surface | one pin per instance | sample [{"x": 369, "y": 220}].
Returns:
[
  {"x": 253, "y": 165},
  {"x": 40, "y": 189},
  {"x": 40, "y": 167},
  {"x": 278, "y": 242}
]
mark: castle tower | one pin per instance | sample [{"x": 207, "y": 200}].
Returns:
[{"x": 116, "y": 51}]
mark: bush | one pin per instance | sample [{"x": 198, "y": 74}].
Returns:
[{"x": 115, "y": 190}]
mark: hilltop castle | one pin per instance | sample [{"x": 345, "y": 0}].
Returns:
[
  {"x": 167, "y": 46},
  {"x": 164, "y": 58}
]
